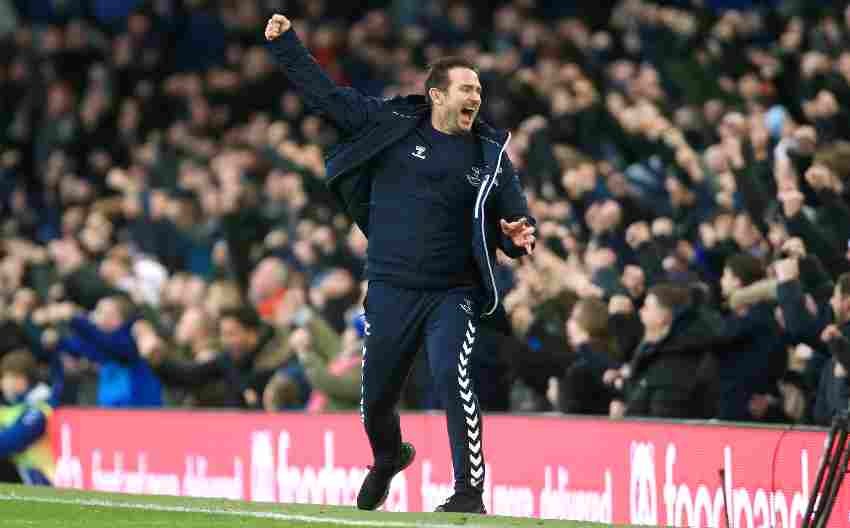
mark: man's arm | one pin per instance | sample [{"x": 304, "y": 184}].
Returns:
[
  {"x": 190, "y": 373},
  {"x": 74, "y": 346},
  {"x": 346, "y": 107},
  {"x": 117, "y": 345},
  {"x": 21, "y": 434},
  {"x": 511, "y": 206}
]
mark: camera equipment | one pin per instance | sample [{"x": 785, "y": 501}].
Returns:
[{"x": 831, "y": 473}]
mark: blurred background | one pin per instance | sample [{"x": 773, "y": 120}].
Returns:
[{"x": 166, "y": 234}]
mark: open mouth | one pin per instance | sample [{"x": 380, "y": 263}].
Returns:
[{"x": 468, "y": 113}]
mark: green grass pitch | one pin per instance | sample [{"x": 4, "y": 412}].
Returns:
[{"x": 22, "y": 506}]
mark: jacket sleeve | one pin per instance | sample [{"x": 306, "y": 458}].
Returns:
[
  {"x": 345, "y": 386},
  {"x": 821, "y": 412},
  {"x": 511, "y": 205},
  {"x": 638, "y": 396},
  {"x": 21, "y": 434},
  {"x": 817, "y": 239},
  {"x": 76, "y": 347},
  {"x": 753, "y": 193},
  {"x": 346, "y": 107},
  {"x": 189, "y": 373},
  {"x": 840, "y": 350},
  {"x": 799, "y": 323},
  {"x": 629, "y": 332},
  {"x": 834, "y": 214},
  {"x": 326, "y": 342},
  {"x": 111, "y": 345},
  {"x": 734, "y": 328}
]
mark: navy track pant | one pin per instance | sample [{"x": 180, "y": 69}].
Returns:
[{"x": 399, "y": 321}]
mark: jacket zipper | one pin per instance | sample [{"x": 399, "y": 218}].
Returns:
[{"x": 479, "y": 203}]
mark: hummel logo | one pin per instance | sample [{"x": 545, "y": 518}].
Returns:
[
  {"x": 420, "y": 152},
  {"x": 466, "y": 306}
]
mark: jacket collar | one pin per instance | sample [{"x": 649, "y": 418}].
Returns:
[{"x": 417, "y": 104}]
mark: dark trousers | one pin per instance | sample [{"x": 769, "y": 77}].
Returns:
[{"x": 399, "y": 320}]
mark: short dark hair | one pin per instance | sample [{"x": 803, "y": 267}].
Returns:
[
  {"x": 671, "y": 296},
  {"x": 246, "y": 316},
  {"x": 20, "y": 362},
  {"x": 746, "y": 267},
  {"x": 438, "y": 72}
]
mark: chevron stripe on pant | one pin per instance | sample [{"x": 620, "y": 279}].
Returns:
[{"x": 399, "y": 321}]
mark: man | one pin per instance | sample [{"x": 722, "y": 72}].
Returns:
[
  {"x": 105, "y": 337},
  {"x": 251, "y": 352},
  {"x": 435, "y": 193},
  {"x": 812, "y": 323},
  {"x": 665, "y": 373},
  {"x": 23, "y": 420},
  {"x": 758, "y": 359},
  {"x": 833, "y": 393}
]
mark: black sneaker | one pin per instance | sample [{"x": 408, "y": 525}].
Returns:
[
  {"x": 463, "y": 503},
  {"x": 376, "y": 485}
]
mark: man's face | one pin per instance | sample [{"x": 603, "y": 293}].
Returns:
[
  {"x": 840, "y": 303},
  {"x": 237, "y": 339},
  {"x": 460, "y": 102},
  {"x": 744, "y": 232},
  {"x": 729, "y": 282},
  {"x": 654, "y": 315},
  {"x": 107, "y": 315},
  {"x": 266, "y": 279},
  {"x": 634, "y": 280}
]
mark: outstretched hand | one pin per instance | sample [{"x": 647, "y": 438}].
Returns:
[
  {"x": 520, "y": 232},
  {"x": 277, "y": 26}
]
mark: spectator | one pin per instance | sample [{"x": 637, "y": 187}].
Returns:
[
  {"x": 23, "y": 421},
  {"x": 663, "y": 378},
  {"x": 333, "y": 369},
  {"x": 580, "y": 389},
  {"x": 250, "y": 354},
  {"x": 105, "y": 338},
  {"x": 757, "y": 362}
]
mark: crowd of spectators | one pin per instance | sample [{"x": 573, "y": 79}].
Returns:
[{"x": 166, "y": 230}]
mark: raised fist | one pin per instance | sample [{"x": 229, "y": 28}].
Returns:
[
  {"x": 620, "y": 304},
  {"x": 792, "y": 202},
  {"x": 829, "y": 333},
  {"x": 637, "y": 233},
  {"x": 786, "y": 269},
  {"x": 277, "y": 25}
]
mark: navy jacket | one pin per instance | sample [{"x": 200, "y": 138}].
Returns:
[
  {"x": 754, "y": 365},
  {"x": 369, "y": 125}
]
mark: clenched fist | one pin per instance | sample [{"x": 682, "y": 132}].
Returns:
[{"x": 276, "y": 26}]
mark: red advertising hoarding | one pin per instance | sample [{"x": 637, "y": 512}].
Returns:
[{"x": 650, "y": 473}]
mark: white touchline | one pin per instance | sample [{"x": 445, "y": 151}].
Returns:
[{"x": 11, "y": 497}]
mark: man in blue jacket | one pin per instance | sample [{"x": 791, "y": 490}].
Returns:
[
  {"x": 435, "y": 193},
  {"x": 105, "y": 337}
]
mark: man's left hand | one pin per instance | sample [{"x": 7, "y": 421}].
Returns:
[{"x": 520, "y": 232}]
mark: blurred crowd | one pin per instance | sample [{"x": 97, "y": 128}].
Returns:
[{"x": 166, "y": 231}]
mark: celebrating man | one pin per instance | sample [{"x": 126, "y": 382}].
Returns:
[{"x": 432, "y": 188}]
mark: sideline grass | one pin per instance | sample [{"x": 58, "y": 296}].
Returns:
[{"x": 22, "y": 506}]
